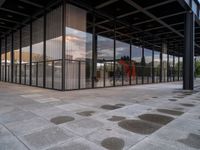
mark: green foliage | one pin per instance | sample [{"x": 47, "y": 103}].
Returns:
[{"x": 197, "y": 68}]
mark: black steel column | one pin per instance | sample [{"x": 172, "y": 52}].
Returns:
[
  {"x": 20, "y": 55},
  {"x": 0, "y": 58},
  {"x": 114, "y": 53},
  {"x": 30, "y": 65},
  {"x": 63, "y": 43},
  {"x": 130, "y": 65},
  {"x": 12, "y": 57},
  {"x": 153, "y": 71},
  {"x": 168, "y": 69},
  {"x": 188, "y": 56},
  {"x": 178, "y": 68},
  {"x": 94, "y": 52},
  {"x": 44, "y": 52},
  {"x": 5, "y": 52},
  {"x": 143, "y": 63},
  {"x": 173, "y": 70},
  {"x": 161, "y": 66}
]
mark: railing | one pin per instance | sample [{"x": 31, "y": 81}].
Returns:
[{"x": 78, "y": 74}]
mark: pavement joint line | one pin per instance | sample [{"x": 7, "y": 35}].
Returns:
[{"x": 16, "y": 136}]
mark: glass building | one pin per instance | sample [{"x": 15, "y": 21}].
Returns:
[{"x": 69, "y": 45}]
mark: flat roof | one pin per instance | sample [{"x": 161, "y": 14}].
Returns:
[{"x": 145, "y": 22}]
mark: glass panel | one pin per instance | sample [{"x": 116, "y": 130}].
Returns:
[
  {"x": 3, "y": 59},
  {"x": 78, "y": 48},
  {"x": 16, "y": 56},
  {"x": 147, "y": 66},
  {"x": 156, "y": 66},
  {"x": 164, "y": 67},
  {"x": 194, "y": 7},
  {"x": 105, "y": 56},
  {"x": 37, "y": 51},
  {"x": 181, "y": 68},
  {"x": 8, "y": 52},
  {"x": 170, "y": 68},
  {"x": 53, "y": 44},
  {"x": 122, "y": 65},
  {"x": 25, "y": 55},
  {"x": 176, "y": 68},
  {"x": 136, "y": 57}
]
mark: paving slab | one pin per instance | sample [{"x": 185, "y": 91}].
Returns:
[
  {"x": 45, "y": 138},
  {"x": 77, "y": 144}
]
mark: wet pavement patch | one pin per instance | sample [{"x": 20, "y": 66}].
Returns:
[
  {"x": 113, "y": 143},
  {"x": 171, "y": 112},
  {"x": 178, "y": 96},
  {"x": 61, "y": 119},
  {"x": 139, "y": 126},
  {"x": 178, "y": 108},
  {"x": 172, "y": 99},
  {"x": 192, "y": 140},
  {"x": 86, "y": 113},
  {"x": 156, "y": 118},
  {"x": 116, "y": 118},
  {"x": 187, "y": 105},
  {"x": 120, "y": 105},
  {"x": 112, "y": 107}
]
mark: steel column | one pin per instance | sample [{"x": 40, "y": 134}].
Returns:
[
  {"x": 44, "y": 52},
  {"x": 5, "y": 53},
  {"x": 63, "y": 43},
  {"x": 12, "y": 58},
  {"x": 30, "y": 65},
  {"x": 188, "y": 56}
]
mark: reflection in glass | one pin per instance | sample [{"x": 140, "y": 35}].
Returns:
[
  {"x": 170, "y": 68},
  {"x": 16, "y": 60},
  {"x": 37, "y": 51},
  {"x": 54, "y": 48},
  {"x": 3, "y": 60},
  {"x": 180, "y": 68},
  {"x": 176, "y": 67},
  {"x": 8, "y": 57},
  {"x": 147, "y": 65},
  {"x": 156, "y": 66},
  {"x": 78, "y": 71},
  {"x": 25, "y": 62},
  {"x": 122, "y": 65},
  {"x": 136, "y": 59},
  {"x": 164, "y": 67},
  {"x": 105, "y": 59}
]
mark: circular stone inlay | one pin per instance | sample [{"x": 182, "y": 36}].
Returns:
[
  {"x": 113, "y": 143},
  {"x": 156, "y": 118},
  {"x": 61, "y": 119},
  {"x": 139, "y": 126}
]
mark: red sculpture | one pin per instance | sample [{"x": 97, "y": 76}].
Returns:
[{"x": 129, "y": 70}]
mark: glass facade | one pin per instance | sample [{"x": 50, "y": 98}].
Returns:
[
  {"x": 63, "y": 50},
  {"x": 157, "y": 66},
  {"x": 136, "y": 59}
]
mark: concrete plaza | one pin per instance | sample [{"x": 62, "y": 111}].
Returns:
[{"x": 146, "y": 117}]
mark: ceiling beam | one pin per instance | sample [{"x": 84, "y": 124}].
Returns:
[
  {"x": 139, "y": 23},
  {"x": 9, "y": 28},
  {"x": 14, "y": 12},
  {"x": 11, "y": 21},
  {"x": 105, "y": 4},
  {"x": 133, "y": 4},
  {"x": 32, "y": 3},
  {"x": 134, "y": 12},
  {"x": 2, "y": 2}
]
